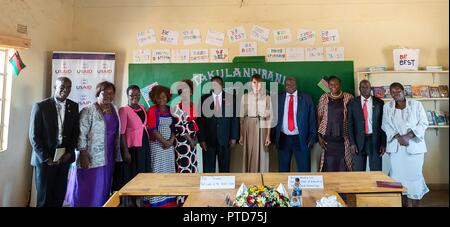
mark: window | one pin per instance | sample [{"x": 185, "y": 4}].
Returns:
[{"x": 5, "y": 96}]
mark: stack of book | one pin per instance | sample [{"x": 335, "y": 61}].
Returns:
[
  {"x": 433, "y": 68},
  {"x": 377, "y": 68},
  {"x": 436, "y": 117}
]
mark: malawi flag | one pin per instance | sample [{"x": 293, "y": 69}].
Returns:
[
  {"x": 323, "y": 84},
  {"x": 16, "y": 63}
]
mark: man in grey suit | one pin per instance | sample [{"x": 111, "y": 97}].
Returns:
[
  {"x": 54, "y": 126},
  {"x": 367, "y": 139}
]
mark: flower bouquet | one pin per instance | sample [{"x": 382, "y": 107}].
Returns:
[{"x": 260, "y": 196}]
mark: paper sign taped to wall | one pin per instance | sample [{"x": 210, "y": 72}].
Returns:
[{"x": 406, "y": 59}]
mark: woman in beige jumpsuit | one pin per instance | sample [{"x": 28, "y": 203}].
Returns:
[{"x": 255, "y": 118}]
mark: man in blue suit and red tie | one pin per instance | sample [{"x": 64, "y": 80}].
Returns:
[{"x": 296, "y": 130}]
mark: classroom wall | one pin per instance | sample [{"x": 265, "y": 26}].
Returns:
[
  {"x": 50, "y": 28},
  {"x": 369, "y": 30}
]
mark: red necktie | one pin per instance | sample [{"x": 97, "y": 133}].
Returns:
[
  {"x": 291, "y": 125},
  {"x": 366, "y": 114},
  {"x": 217, "y": 106}
]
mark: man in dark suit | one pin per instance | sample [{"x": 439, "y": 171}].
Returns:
[
  {"x": 367, "y": 139},
  {"x": 296, "y": 130},
  {"x": 218, "y": 127},
  {"x": 54, "y": 126}
]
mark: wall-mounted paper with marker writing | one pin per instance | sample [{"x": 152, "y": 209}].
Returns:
[
  {"x": 169, "y": 37},
  {"x": 314, "y": 54},
  {"x": 146, "y": 37},
  {"x": 215, "y": 38},
  {"x": 334, "y": 53},
  {"x": 295, "y": 54},
  {"x": 306, "y": 36},
  {"x": 180, "y": 56},
  {"x": 276, "y": 54},
  {"x": 329, "y": 36},
  {"x": 282, "y": 36},
  {"x": 236, "y": 34},
  {"x": 248, "y": 49},
  {"x": 260, "y": 33},
  {"x": 218, "y": 55},
  {"x": 199, "y": 56},
  {"x": 161, "y": 56},
  {"x": 191, "y": 37},
  {"x": 142, "y": 56}
]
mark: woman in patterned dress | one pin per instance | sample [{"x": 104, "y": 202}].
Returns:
[
  {"x": 162, "y": 140},
  {"x": 185, "y": 130},
  {"x": 333, "y": 128}
]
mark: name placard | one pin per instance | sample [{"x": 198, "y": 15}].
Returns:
[
  {"x": 217, "y": 182},
  {"x": 307, "y": 182}
]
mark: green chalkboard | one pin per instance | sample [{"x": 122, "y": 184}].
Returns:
[{"x": 308, "y": 74}]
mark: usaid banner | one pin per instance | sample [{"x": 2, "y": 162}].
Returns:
[{"x": 86, "y": 70}]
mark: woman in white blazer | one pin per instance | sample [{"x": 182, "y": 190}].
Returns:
[{"x": 405, "y": 122}]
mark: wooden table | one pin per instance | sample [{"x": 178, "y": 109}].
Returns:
[
  {"x": 359, "y": 186},
  {"x": 179, "y": 184}
]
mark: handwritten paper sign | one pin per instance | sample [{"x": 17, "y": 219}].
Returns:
[
  {"x": 406, "y": 59},
  {"x": 161, "y": 56},
  {"x": 236, "y": 34},
  {"x": 260, "y": 33},
  {"x": 307, "y": 182},
  {"x": 169, "y": 37},
  {"x": 282, "y": 36},
  {"x": 276, "y": 54},
  {"x": 180, "y": 56},
  {"x": 146, "y": 37},
  {"x": 199, "y": 55},
  {"x": 306, "y": 36},
  {"x": 248, "y": 49},
  {"x": 142, "y": 56},
  {"x": 215, "y": 38},
  {"x": 314, "y": 54},
  {"x": 334, "y": 53},
  {"x": 217, "y": 182},
  {"x": 295, "y": 54},
  {"x": 218, "y": 55},
  {"x": 329, "y": 36},
  {"x": 191, "y": 37}
]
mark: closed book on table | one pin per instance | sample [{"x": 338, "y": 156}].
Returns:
[{"x": 387, "y": 184}]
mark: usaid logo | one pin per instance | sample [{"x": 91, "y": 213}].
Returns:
[
  {"x": 84, "y": 100},
  {"x": 85, "y": 69},
  {"x": 84, "y": 85},
  {"x": 105, "y": 69},
  {"x": 63, "y": 70}
]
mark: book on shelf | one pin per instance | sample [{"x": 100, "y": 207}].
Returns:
[
  {"x": 377, "y": 68},
  {"x": 433, "y": 68},
  {"x": 378, "y": 92},
  {"x": 424, "y": 91},
  {"x": 437, "y": 117},
  {"x": 434, "y": 92},
  {"x": 408, "y": 91},
  {"x": 387, "y": 92},
  {"x": 446, "y": 118},
  {"x": 415, "y": 91},
  {"x": 430, "y": 117},
  {"x": 443, "y": 90}
]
